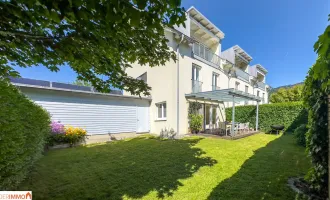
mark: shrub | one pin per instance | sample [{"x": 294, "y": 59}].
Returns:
[
  {"x": 74, "y": 135},
  {"x": 196, "y": 123},
  {"x": 24, "y": 127},
  {"x": 289, "y": 114},
  {"x": 65, "y": 134},
  {"x": 300, "y": 135},
  {"x": 167, "y": 133}
]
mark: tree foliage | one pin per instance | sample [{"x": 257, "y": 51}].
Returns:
[
  {"x": 316, "y": 91},
  {"x": 94, "y": 37},
  {"x": 293, "y": 93},
  {"x": 82, "y": 83}
]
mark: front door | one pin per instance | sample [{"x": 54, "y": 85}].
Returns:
[{"x": 142, "y": 116}]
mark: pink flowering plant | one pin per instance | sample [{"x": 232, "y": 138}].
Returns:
[
  {"x": 65, "y": 134},
  {"x": 57, "y": 128}
]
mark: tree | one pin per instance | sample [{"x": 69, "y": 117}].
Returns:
[
  {"x": 316, "y": 91},
  {"x": 94, "y": 37},
  {"x": 293, "y": 93},
  {"x": 82, "y": 83}
]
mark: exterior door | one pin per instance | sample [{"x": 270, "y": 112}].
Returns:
[{"x": 142, "y": 119}]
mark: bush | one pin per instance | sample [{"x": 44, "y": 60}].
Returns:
[
  {"x": 300, "y": 135},
  {"x": 196, "y": 123},
  {"x": 289, "y": 114},
  {"x": 167, "y": 133},
  {"x": 65, "y": 134},
  {"x": 24, "y": 127}
]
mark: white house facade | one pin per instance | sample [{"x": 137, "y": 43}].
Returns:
[{"x": 201, "y": 66}]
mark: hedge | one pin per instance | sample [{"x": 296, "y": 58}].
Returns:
[
  {"x": 289, "y": 114},
  {"x": 24, "y": 127}
]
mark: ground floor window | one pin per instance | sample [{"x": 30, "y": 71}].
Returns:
[{"x": 161, "y": 111}]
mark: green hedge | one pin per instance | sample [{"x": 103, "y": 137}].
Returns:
[
  {"x": 289, "y": 114},
  {"x": 23, "y": 130}
]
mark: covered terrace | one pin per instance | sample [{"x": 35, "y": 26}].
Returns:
[{"x": 228, "y": 95}]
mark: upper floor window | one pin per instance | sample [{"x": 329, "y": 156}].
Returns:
[
  {"x": 215, "y": 79},
  {"x": 246, "y": 91},
  {"x": 258, "y": 93},
  {"x": 237, "y": 85},
  {"x": 195, "y": 72},
  {"x": 161, "y": 111},
  {"x": 263, "y": 97}
]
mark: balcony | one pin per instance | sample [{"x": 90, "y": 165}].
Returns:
[
  {"x": 202, "y": 51},
  {"x": 196, "y": 86},
  {"x": 241, "y": 74},
  {"x": 214, "y": 87},
  {"x": 261, "y": 85}
]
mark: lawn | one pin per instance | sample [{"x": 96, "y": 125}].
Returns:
[{"x": 256, "y": 167}]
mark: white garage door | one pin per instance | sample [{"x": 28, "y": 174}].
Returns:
[{"x": 97, "y": 114}]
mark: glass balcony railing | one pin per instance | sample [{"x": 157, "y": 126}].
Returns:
[
  {"x": 242, "y": 74},
  {"x": 196, "y": 86},
  {"x": 205, "y": 53},
  {"x": 261, "y": 85},
  {"x": 214, "y": 87}
]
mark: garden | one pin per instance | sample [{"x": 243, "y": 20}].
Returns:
[{"x": 256, "y": 167}]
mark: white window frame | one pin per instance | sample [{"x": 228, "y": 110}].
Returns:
[
  {"x": 196, "y": 72},
  {"x": 215, "y": 77},
  {"x": 246, "y": 91},
  {"x": 163, "y": 109}
]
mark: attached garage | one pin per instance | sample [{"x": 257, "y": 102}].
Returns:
[{"x": 98, "y": 113}]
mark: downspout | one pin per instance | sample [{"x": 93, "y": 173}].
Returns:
[{"x": 177, "y": 87}]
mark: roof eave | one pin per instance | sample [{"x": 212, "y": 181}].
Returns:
[{"x": 220, "y": 34}]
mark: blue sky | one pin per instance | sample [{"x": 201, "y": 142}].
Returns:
[{"x": 278, "y": 34}]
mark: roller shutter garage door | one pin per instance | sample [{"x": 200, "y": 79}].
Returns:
[{"x": 98, "y": 114}]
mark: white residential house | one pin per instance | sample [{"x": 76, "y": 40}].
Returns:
[{"x": 201, "y": 73}]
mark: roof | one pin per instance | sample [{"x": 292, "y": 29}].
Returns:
[
  {"x": 200, "y": 18},
  {"x": 55, "y": 86},
  {"x": 261, "y": 68},
  {"x": 225, "y": 95},
  {"x": 242, "y": 53}
]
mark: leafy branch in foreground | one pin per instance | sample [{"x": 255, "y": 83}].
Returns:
[
  {"x": 94, "y": 37},
  {"x": 316, "y": 91}
]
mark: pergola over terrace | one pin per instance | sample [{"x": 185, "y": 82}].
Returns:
[{"x": 228, "y": 95}]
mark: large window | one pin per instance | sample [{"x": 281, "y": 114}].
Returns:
[
  {"x": 161, "y": 111},
  {"x": 215, "y": 81},
  {"x": 246, "y": 91},
  {"x": 263, "y": 97},
  {"x": 195, "y": 73}
]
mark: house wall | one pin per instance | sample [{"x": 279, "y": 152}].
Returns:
[{"x": 163, "y": 81}]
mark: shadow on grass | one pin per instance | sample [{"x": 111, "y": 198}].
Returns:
[
  {"x": 265, "y": 174},
  {"x": 120, "y": 169}
]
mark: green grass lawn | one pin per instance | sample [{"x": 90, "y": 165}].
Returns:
[{"x": 256, "y": 167}]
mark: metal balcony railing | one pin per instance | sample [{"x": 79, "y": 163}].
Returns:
[
  {"x": 196, "y": 86},
  {"x": 242, "y": 74},
  {"x": 206, "y": 53},
  {"x": 214, "y": 87},
  {"x": 261, "y": 85}
]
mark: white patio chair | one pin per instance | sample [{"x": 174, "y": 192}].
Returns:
[
  {"x": 223, "y": 127},
  {"x": 241, "y": 127},
  {"x": 247, "y": 126}
]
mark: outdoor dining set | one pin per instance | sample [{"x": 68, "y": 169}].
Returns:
[{"x": 225, "y": 128}]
